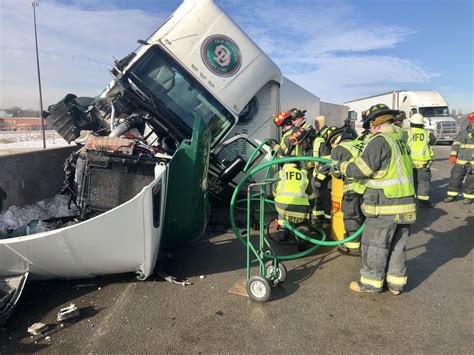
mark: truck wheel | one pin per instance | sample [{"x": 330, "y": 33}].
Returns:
[
  {"x": 258, "y": 288},
  {"x": 281, "y": 273}
]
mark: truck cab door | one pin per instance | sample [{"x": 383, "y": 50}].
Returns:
[
  {"x": 227, "y": 163},
  {"x": 187, "y": 206}
]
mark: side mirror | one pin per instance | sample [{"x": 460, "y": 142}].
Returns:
[{"x": 232, "y": 170}]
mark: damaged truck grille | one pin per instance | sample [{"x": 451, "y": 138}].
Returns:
[{"x": 106, "y": 180}]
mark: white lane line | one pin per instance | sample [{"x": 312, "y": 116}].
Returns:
[{"x": 105, "y": 325}]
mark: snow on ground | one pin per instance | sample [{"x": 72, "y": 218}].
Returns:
[
  {"x": 17, "y": 142},
  {"x": 56, "y": 206}
]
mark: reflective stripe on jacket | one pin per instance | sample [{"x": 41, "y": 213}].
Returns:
[
  {"x": 291, "y": 188},
  {"x": 463, "y": 147},
  {"x": 291, "y": 196},
  {"x": 397, "y": 180},
  {"x": 385, "y": 166},
  {"x": 350, "y": 184},
  {"x": 418, "y": 140}
]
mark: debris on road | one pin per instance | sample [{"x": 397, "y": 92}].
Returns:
[
  {"x": 38, "y": 328},
  {"x": 172, "y": 279},
  {"x": 69, "y": 314}
]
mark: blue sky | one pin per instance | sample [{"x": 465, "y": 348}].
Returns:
[{"x": 339, "y": 50}]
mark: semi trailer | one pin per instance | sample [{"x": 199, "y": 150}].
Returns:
[{"x": 430, "y": 104}]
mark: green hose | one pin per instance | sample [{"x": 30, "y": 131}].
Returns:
[
  {"x": 300, "y": 235},
  {"x": 322, "y": 242},
  {"x": 285, "y": 257},
  {"x": 255, "y": 152},
  {"x": 254, "y": 199}
]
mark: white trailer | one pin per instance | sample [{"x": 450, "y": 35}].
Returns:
[{"x": 430, "y": 104}]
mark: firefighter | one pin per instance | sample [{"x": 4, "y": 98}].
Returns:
[
  {"x": 299, "y": 121},
  {"x": 293, "y": 197},
  {"x": 363, "y": 136},
  {"x": 320, "y": 125},
  {"x": 284, "y": 121},
  {"x": 462, "y": 152},
  {"x": 398, "y": 124},
  {"x": 420, "y": 141},
  {"x": 388, "y": 203},
  {"x": 348, "y": 123},
  {"x": 320, "y": 181},
  {"x": 345, "y": 148},
  {"x": 309, "y": 133}
]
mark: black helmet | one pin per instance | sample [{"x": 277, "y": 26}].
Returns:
[
  {"x": 344, "y": 131},
  {"x": 401, "y": 116},
  {"x": 296, "y": 112},
  {"x": 377, "y": 111},
  {"x": 364, "y": 114},
  {"x": 328, "y": 132}
]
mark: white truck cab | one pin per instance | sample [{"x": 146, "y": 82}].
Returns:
[
  {"x": 434, "y": 108},
  {"x": 430, "y": 104}
]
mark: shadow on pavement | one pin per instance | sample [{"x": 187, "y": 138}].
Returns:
[
  {"x": 439, "y": 250},
  {"x": 438, "y": 189},
  {"x": 220, "y": 253},
  {"x": 41, "y": 297}
]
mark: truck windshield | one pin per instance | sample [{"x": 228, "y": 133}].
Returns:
[
  {"x": 435, "y": 111},
  {"x": 176, "y": 90}
]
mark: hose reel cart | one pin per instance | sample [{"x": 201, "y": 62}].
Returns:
[{"x": 271, "y": 270}]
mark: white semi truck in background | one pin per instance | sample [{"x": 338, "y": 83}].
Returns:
[{"x": 430, "y": 104}]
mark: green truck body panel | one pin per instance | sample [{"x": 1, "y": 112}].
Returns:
[{"x": 187, "y": 205}]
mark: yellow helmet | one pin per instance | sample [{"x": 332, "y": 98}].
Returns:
[{"x": 321, "y": 120}]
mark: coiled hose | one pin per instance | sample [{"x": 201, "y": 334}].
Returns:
[{"x": 317, "y": 242}]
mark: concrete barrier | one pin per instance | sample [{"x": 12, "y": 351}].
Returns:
[{"x": 32, "y": 176}]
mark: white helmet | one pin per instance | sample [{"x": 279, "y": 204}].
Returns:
[{"x": 417, "y": 119}]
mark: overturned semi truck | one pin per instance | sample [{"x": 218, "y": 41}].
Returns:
[{"x": 169, "y": 134}]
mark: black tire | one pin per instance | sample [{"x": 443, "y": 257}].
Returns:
[
  {"x": 290, "y": 241},
  {"x": 302, "y": 244},
  {"x": 259, "y": 289},
  {"x": 269, "y": 265}
]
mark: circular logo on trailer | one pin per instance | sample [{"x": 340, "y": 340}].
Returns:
[{"x": 221, "y": 55}]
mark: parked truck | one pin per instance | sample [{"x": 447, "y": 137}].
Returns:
[
  {"x": 175, "y": 126},
  {"x": 430, "y": 104}
]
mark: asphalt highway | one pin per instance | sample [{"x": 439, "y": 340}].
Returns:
[{"x": 313, "y": 311}]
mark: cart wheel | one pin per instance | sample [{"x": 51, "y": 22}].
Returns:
[
  {"x": 258, "y": 288},
  {"x": 269, "y": 266}
]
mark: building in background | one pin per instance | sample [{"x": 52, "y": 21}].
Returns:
[{"x": 10, "y": 123}]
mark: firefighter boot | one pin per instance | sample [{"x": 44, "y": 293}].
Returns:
[
  {"x": 343, "y": 249},
  {"x": 394, "y": 292},
  {"x": 283, "y": 235},
  {"x": 450, "y": 199},
  {"x": 301, "y": 243},
  {"x": 358, "y": 287},
  {"x": 425, "y": 204}
]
